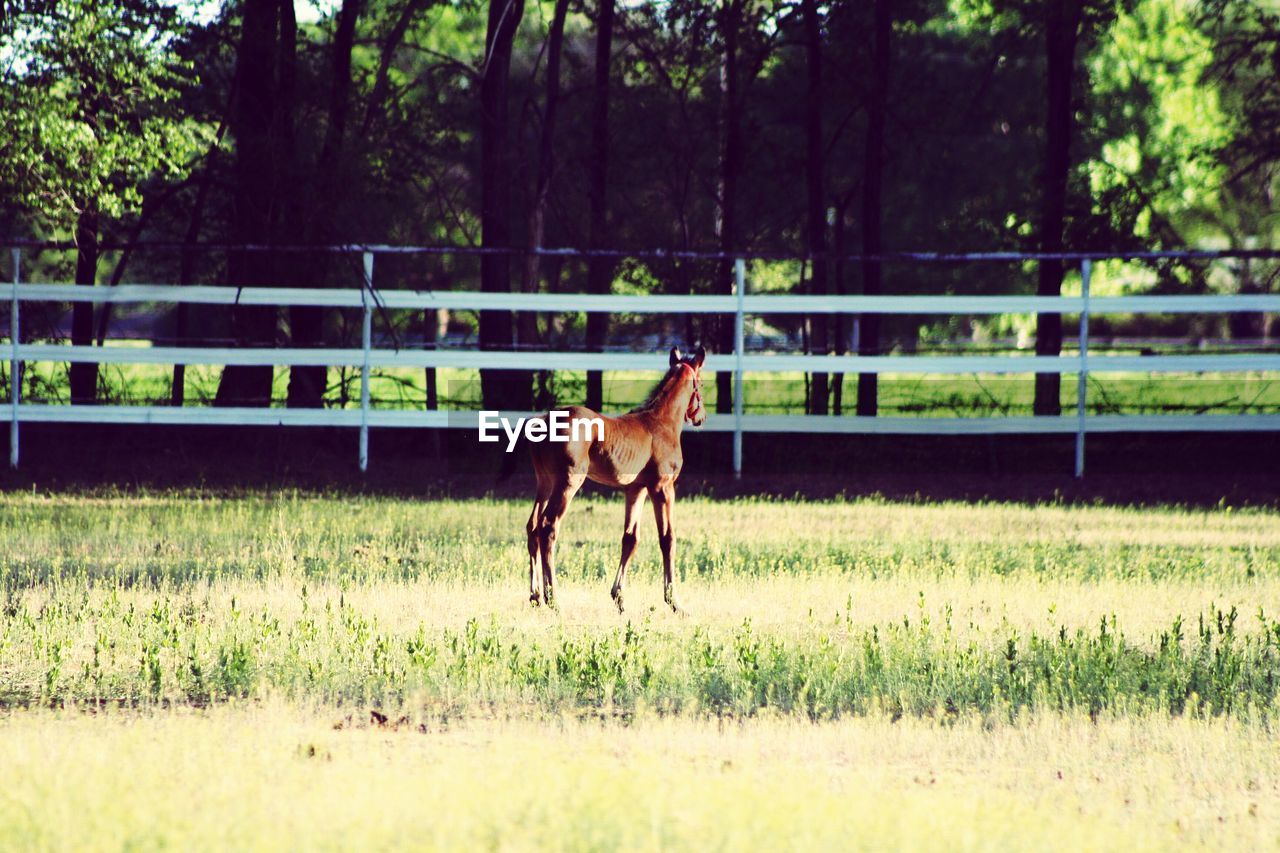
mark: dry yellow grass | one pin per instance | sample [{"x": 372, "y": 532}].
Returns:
[{"x": 271, "y": 776}]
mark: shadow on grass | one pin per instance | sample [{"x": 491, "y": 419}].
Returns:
[{"x": 1202, "y": 469}]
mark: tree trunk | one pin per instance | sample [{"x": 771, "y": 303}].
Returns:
[
  {"x": 544, "y": 381},
  {"x": 730, "y": 167},
  {"x": 872, "y": 201},
  {"x": 298, "y": 213},
  {"x": 599, "y": 270},
  {"x": 310, "y": 220},
  {"x": 527, "y": 321},
  {"x": 84, "y": 375},
  {"x": 500, "y": 389},
  {"x": 816, "y": 214},
  {"x": 186, "y": 272},
  {"x": 1062, "y": 31},
  {"x": 840, "y": 325},
  {"x": 254, "y": 177},
  {"x": 430, "y": 334}
]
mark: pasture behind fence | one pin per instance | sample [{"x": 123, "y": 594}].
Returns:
[{"x": 368, "y": 298}]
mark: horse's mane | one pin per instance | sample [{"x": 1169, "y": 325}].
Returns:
[{"x": 660, "y": 390}]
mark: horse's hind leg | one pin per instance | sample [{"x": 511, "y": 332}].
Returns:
[
  {"x": 552, "y": 512},
  {"x": 535, "y": 560},
  {"x": 631, "y": 521}
]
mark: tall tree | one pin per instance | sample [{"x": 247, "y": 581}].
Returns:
[
  {"x": 527, "y": 322},
  {"x": 599, "y": 270},
  {"x": 1245, "y": 67},
  {"x": 258, "y": 131},
  {"x": 311, "y": 214},
  {"x": 1062, "y": 23},
  {"x": 731, "y": 19},
  {"x": 873, "y": 196},
  {"x": 501, "y": 389},
  {"x": 87, "y": 116},
  {"x": 84, "y": 375},
  {"x": 815, "y": 197}
]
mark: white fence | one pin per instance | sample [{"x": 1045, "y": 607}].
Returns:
[{"x": 738, "y": 362}]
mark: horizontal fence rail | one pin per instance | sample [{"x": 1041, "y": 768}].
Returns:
[
  {"x": 739, "y": 304},
  {"x": 460, "y": 300},
  {"x": 535, "y": 360},
  {"x": 807, "y": 424}
]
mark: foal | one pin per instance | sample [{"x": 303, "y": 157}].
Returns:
[{"x": 639, "y": 453}]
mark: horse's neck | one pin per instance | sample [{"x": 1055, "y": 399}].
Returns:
[{"x": 674, "y": 401}]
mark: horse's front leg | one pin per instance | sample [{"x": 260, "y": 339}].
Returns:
[
  {"x": 631, "y": 521},
  {"x": 664, "y": 499}
]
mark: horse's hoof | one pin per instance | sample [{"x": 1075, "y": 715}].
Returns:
[
  {"x": 675, "y": 606},
  {"x": 535, "y": 599},
  {"x": 617, "y": 599}
]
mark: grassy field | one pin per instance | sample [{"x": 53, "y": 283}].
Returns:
[{"x": 271, "y": 670}]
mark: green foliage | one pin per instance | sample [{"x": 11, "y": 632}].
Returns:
[
  {"x": 1175, "y": 104},
  {"x": 1159, "y": 167},
  {"x": 87, "y": 107}
]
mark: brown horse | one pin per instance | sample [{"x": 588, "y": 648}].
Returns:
[{"x": 638, "y": 453}]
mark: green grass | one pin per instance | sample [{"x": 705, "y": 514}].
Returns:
[
  {"x": 182, "y": 670},
  {"x": 196, "y": 649},
  {"x": 371, "y": 600}
]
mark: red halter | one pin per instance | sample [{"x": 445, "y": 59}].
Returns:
[{"x": 695, "y": 413}]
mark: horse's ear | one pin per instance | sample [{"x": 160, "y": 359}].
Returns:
[
  {"x": 675, "y": 356},
  {"x": 699, "y": 356}
]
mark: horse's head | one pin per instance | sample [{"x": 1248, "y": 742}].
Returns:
[{"x": 692, "y": 365}]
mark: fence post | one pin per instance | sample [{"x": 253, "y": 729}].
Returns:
[
  {"x": 740, "y": 280},
  {"x": 15, "y": 369},
  {"x": 366, "y": 335},
  {"x": 1086, "y": 269}
]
